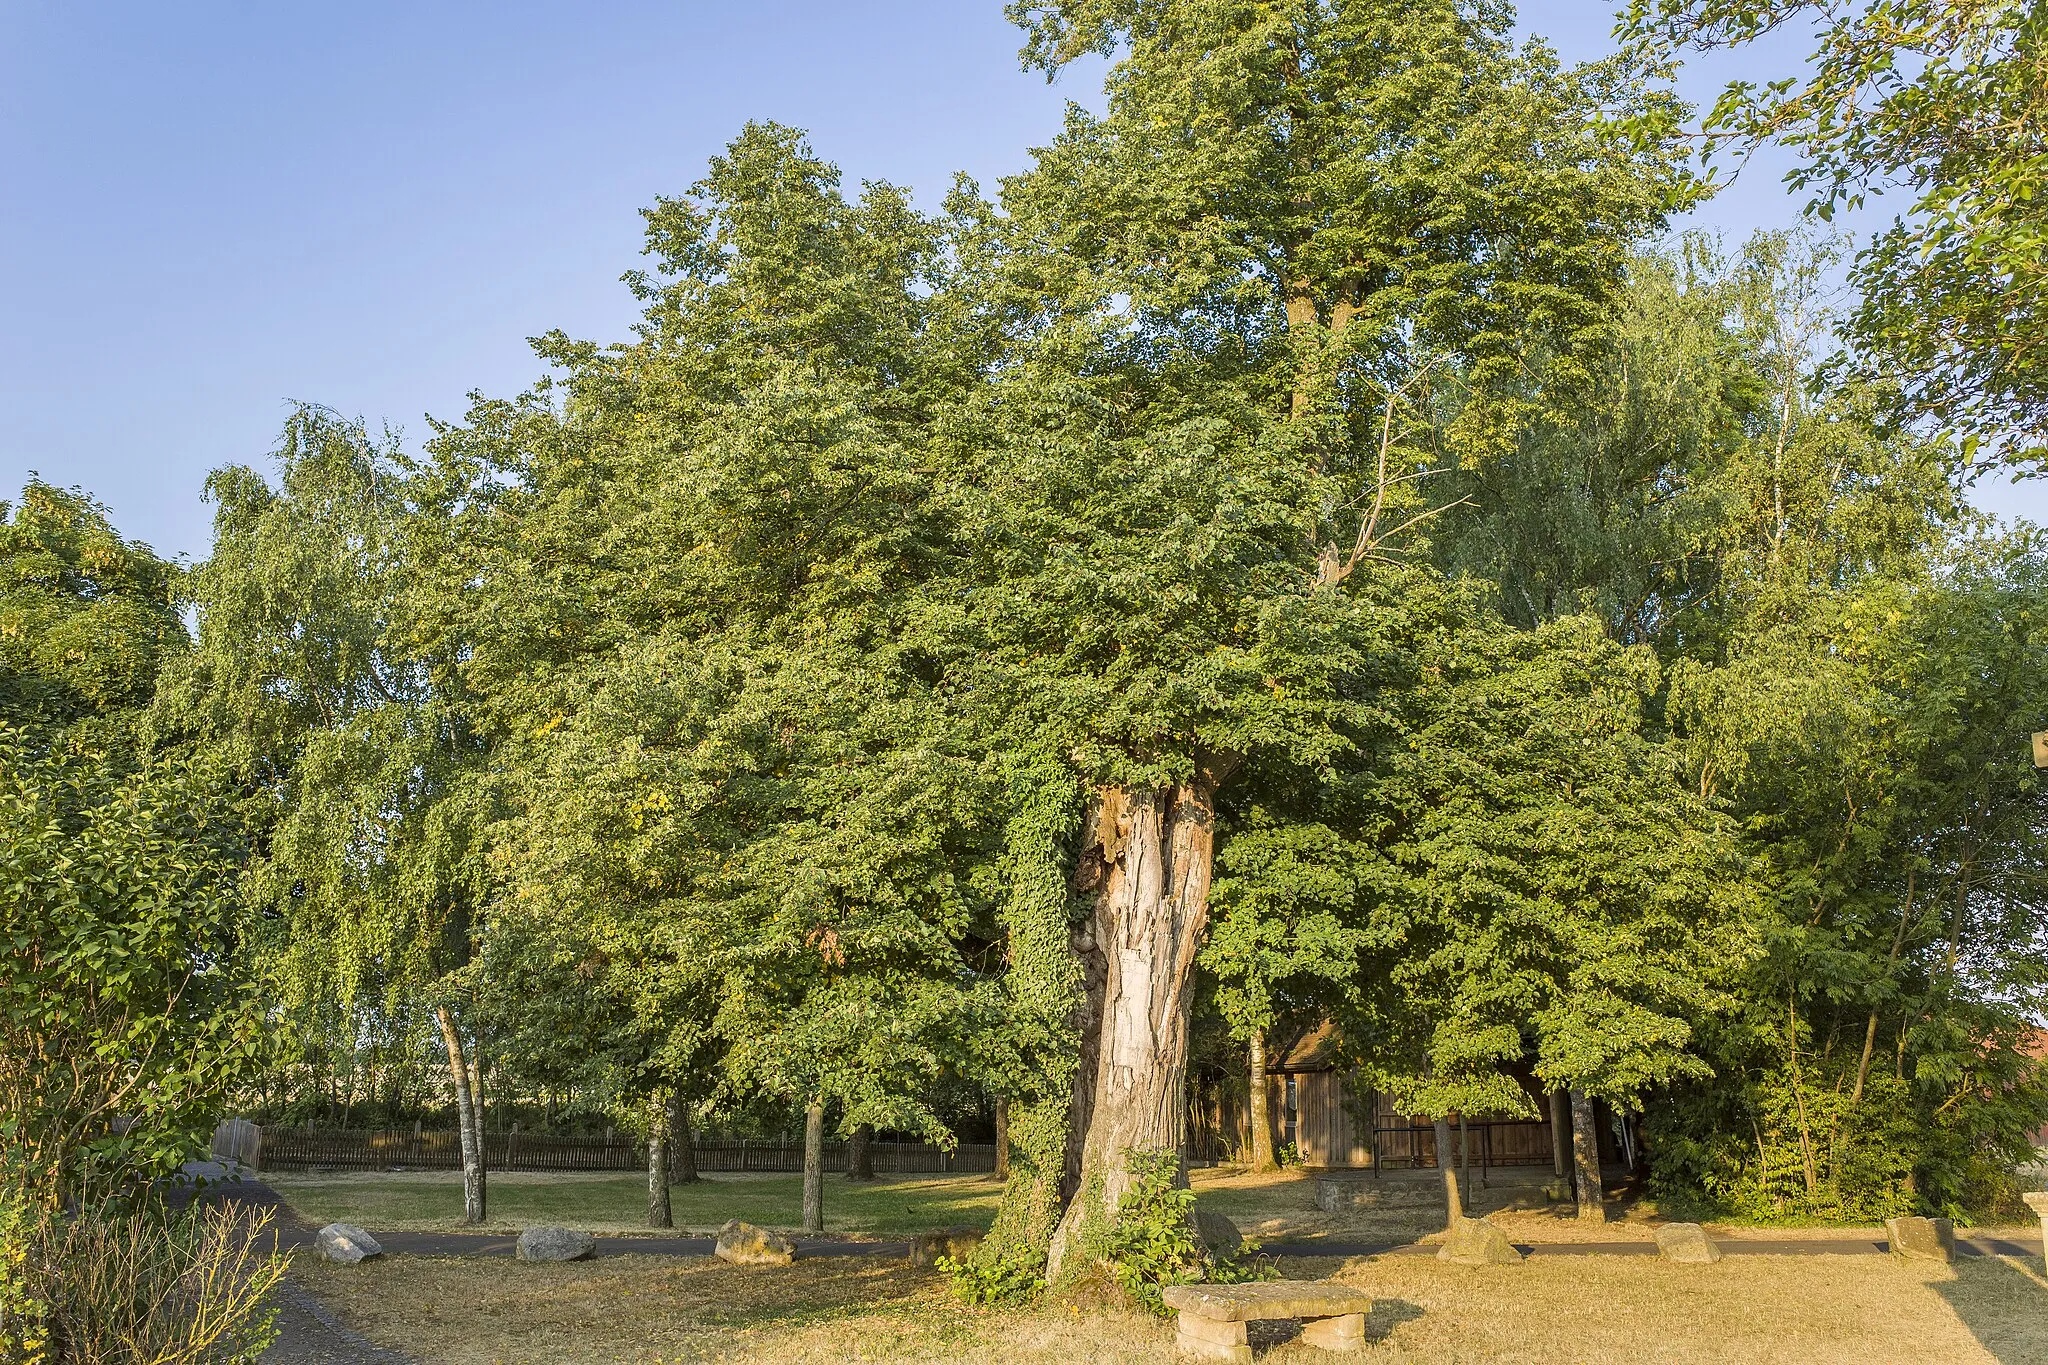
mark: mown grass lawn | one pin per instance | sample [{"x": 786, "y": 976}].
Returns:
[
  {"x": 1593, "y": 1310},
  {"x": 428, "y": 1201}
]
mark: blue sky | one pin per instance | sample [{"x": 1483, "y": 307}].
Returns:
[{"x": 209, "y": 210}]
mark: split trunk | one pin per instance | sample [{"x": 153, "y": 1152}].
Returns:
[{"x": 1145, "y": 864}]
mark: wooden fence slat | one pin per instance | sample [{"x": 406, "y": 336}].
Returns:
[{"x": 288, "y": 1149}]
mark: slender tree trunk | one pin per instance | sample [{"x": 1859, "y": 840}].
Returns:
[
  {"x": 1145, "y": 861},
  {"x": 1464, "y": 1156},
  {"x": 473, "y": 1204},
  {"x": 1586, "y": 1148},
  {"x": 814, "y": 1166},
  {"x": 658, "y": 1212},
  {"x": 478, "y": 1110},
  {"x": 1891, "y": 965},
  {"x": 1261, "y": 1111},
  {"x": 860, "y": 1153},
  {"x": 1799, "y": 1096},
  {"x": 1002, "y": 1137},
  {"x": 1447, "y": 1166},
  {"x": 682, "y": 1144},
  {"x": 1560, "y": 1134}
]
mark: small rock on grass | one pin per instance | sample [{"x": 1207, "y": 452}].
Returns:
[
  {"x": 958, "y": 1243},
  {"x": 553, "y": 1244},
  {"x": 346, "y": 1244},
  {"x": 1921, "y": 1239},
  {"x": 1474, "y": 1241},
  {"x": 745, "y": 1244},
  {"x": 1687, "y": 1243}
]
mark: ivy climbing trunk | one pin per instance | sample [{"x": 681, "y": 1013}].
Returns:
[
  {"x": 1002, "y": 1137},
  {"x": 1586, "y": 1147},
  {"x": 1261, "y": 1111},
  {"x": 473, "y": 1200},
  {"x": 658, "y": 1212},
  {"x": 1145, "y": 861},
  {"x": 814, "y": 1166}
]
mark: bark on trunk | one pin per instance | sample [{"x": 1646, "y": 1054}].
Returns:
[
  {"x": 1145, "y": 861},
  {"x": 1586, "y": 1148},
  {"x": 1560, "y": 1128},
  {"x": 658, "y": 1214},
  {"x": 473, "y": 1202},
  {"x": 682, "y": 1144},
  {"x": 814, "y": 1166},
  {"x": 860, "y": 1153},
  {"x": 1447, "y": 1163},
  {"x": 1261, "y": 1111},
  {"x": 1002, "y": 1138}
]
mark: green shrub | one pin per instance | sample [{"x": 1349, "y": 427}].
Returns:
[
  {"x": 1014, "y": 1277},
  {"x": 1153, "y": 1242}
]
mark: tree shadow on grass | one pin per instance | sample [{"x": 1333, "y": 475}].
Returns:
[{"x": 2003, "y": 1303}]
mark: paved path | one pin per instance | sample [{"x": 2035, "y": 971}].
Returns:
[{"x": 1966, "y": 1245}]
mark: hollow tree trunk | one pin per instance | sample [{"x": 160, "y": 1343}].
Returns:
[
  {"x": 1586, "y": 1148},
  {"x": 1447, "y": 1163},
  {"x": 1145, "y": 860},
  {"x": 473, "y": 1202},
  {"x": 1002, "y": 1137},
  {"x": 658, "y": 1213},
  {"x": 1560, "y": 1134},
  {"x": 1261, "y": 1111},
  {"x": 682, "y": 1144},
  {"x": 860, "y": 1153},
  {"x": 814, "y": 1166}
]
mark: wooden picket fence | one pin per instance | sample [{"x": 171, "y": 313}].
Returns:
[{"x": 287, "y": 1149}]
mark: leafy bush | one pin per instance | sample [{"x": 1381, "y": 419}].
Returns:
[
  {"x": 1015, "y": 1277},
  {"x": 137, "y": 1287},
  {"x": 1154, "y": 1243}
]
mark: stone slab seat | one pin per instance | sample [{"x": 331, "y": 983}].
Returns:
[{"x": 1213, "y": 1316}]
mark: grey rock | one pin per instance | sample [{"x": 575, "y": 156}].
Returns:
[
  {"x": 553, "y": 1244},
  {"x": 1474, "y": 1241},
  {"x": 745, "y": 1244},
  {"x": 1335, "y": 1194},
  {"x": 1218, "y": 1234},
  {"x": 1921, "y": 1239},
  {"x": 1687, "y": 1243},
  {"x": 346, "y": 1244},
  {"x": 958, "y": 1243}
]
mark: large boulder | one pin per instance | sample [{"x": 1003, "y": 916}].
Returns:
[
  {"x": 346, "y": 1244},
  {"x": 745, "y": 1244},
  {"x": 1218, "y": 1234},
  {"x": 1686, "y": 1243},
  {"x": 958, "y": 1243},
  {"x": 553, "y": 1244},
  {"x": 1474, "y": 1241},
  {"x": 1921, "y": 1239}
]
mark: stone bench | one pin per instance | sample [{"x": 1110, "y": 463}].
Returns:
[{"x": 1213, "y": 1316}]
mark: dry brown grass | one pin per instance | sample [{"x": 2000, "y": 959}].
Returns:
[{"x": 1818, "y": 1310}]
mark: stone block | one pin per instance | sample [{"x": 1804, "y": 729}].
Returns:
[
  {"x": 1265, "y": 1299},
  {"x": 1346, "y": 1333},
  {"x": 553, "y": 1244},
  {"x": 346, "y": 1244},
  {"x": 1474, "y": 1241},
  {"x": 745, "y": 1244},
  {"x": 958, "y": 1243},
  {"x": 1921, "y": 1239},
  {"x": 1687, "y": 1243},
  {"x": 1211, "y": 1339}
]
